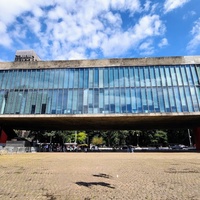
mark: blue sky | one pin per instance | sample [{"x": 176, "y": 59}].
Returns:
[{"x": 98, "y": 29}]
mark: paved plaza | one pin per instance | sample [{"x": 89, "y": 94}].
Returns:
[{"x": 88, "y": 176}]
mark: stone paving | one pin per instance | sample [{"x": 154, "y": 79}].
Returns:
[{"x": 96, "y": 176}]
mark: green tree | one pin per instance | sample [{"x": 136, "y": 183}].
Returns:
[
  {"x": 97, "y": 141},
  {"x": 81, "y": 137},
  {"x": 50, "y": 134}
]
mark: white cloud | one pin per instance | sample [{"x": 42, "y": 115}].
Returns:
[
  {"x": 195, "y": 42},
  {"x": 5, "y": 39},
  {"x": 170, "y": 5},
  {"x": 78, "y": 29},
  {"x": 163, "y": 42},
  {"x": 146, "y": 48}
]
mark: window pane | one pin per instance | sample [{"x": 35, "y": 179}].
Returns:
[
  {"x": 126, "y": 75},
  {"x": 147, "y": 76},
  {"x": 116, "y": 77},
  {"x": 91, "y": 78},
  {"x": 111, "y": 77},
  {"x": 141, "y": 73},
  {"x": 162, "y": 74},
  {"x": 81, "y": 78},
  {"x": 96, "y": 78},
  {"x": 178, "y": 74}
]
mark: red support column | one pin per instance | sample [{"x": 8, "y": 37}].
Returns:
[
  {"x": 3, "y": 136},
  {"x": 197, "y": 137}
]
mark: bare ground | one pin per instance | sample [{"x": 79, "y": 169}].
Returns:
[{"x": 88, "y": 176}]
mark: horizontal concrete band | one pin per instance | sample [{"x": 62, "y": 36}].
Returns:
[
  {"x": 102, "y": 122},
  {"x": 101, "y": 63}
]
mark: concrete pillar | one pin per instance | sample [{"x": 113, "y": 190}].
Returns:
[{"x": 197, "y": 137}]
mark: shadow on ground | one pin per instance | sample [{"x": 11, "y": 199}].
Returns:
[
  {"x": 89, "y": 184},
  {"x": 102, "y": 175}
]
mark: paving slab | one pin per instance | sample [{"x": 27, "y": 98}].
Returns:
[{"x": 100, "y": 176}]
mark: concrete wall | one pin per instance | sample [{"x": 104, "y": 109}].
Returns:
[{"x": 101, "y": 63}]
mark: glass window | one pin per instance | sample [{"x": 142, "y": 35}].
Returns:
[
  {"x": 36, "y": 79},
  {"x": 80, "y": 101},
  {"x": 183, "y": 99},
  {"x": 152, "y": 75},
  {"x": 106, "y": 101},
  {"x": 121, "y": 77},
  {"x": 157, "y": 75},
  {"x": 75, "y": 102},
  {"x": 116, "y": 77},
  {"x": 96, "y": 78},
  {"x": 128, "y": 100},
  {"x": 46, "y": 78},
  {"x": 144, "y": 100},
  {"x": 147, "y": 76},
  {"x": 45, "y": 99},
  {"x": 51, "y": 78},
  {"x": 161, "y": 100},
  {"x": 189, "y": 75},
  {"x": 123, "y": 100},
  {"x": 91, "y": 78},
  {"x": 111, "y": 77},
  {"x": 126, "y": 75},
  {"x": 59, "y": 102},
  {"x": 101, "y": 100},
  {"x": 132, "y": 78},
  {"x": 178, "y": 75},
  {"x": 194, "y": 98},
  {"x": 41, "y": 81},
  {"x": 105, "y": 77},
  {"x": 71, "y": 78},
  {"x": 61, "y": 79},
  {"x": 81, "y": 78},
  {"x": 155, "y": 100},
  {"x": 9, "y": 79},
  {"x": 183, "y": 73},
  {"x": 49, "y": 101},
  {"x": 173, "y": 75},
  {"x": 177, "y": 99},
  {"x": 139, "y": 103},
  {"x": 56, "y": 78},
  {"x": 16, "y": 79},
  {"x": 54, "y": 101},
  {"x": 85, "y": 100},
  {"x": 168, "y": 76},
  {"x": 194, "y": 75},
  {"x": 96, "y": 100},
  {"x": 150, "y": 100},
  {"x": 112, "y": 101},
  {"x": 141, "y": 73},
  {"x": 38, "y": 104},
  {"x": 171, "y": 99},
  {"x": 76, "y": 78},
  {"x": 101, "y": 78},
  {"x": 133, "y": 100},
  {"x": 86, "y": 78},
  {"x": 162, "y": 75},
  {"x": 188, "y": 99},
  {"x": 69, "y": 101},
  {"x": 65, "y": 95},
  {"x": 166, "y": 99},
  {"x": 117, "y": 100},
  {"x": 66, "y": 78},
  {"x": 137, "y": 80}
]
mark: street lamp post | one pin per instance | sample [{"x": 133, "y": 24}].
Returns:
[
  {"x": 189, "y": 136},
  {"x": 137, "y": 140}
]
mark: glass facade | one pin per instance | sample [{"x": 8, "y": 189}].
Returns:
[{"x": 103, "y": 90}]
